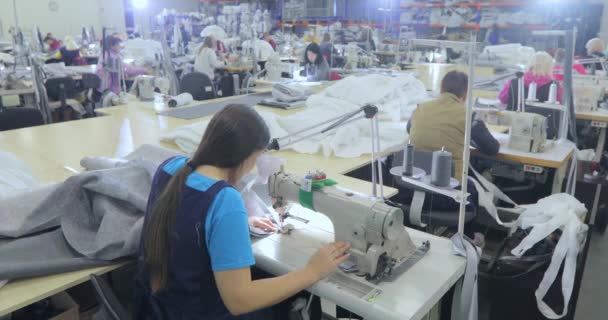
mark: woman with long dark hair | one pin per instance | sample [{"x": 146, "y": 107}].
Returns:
[
  {"x": 315, "y": 66},
  {"x": 196, "y": 252}
]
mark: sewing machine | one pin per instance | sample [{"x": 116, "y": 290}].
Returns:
[
  {"x": 380, "y": 245},
  {"x": 528, "y": 131}
]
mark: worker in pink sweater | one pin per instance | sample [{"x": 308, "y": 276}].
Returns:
[{"x": 540, "y": 71}]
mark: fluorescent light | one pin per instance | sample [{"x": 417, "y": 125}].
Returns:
[{"x": 139, "y": 4}]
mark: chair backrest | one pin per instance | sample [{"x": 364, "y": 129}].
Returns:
[
  {"x": 90, "y": 81},
  {"x": 17, "y": 118},
  {"x": 199, "y": 85},
  {"x": 60, "y": 88},
  {"x": 107, "y": 300}
]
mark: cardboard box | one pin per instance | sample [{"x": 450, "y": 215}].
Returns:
[{"x": 63, "y": 301}]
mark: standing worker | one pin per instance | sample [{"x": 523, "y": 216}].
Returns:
[
  {"x": 113, "y": 56},
  {"x": 327, "y": 48},
  {"x": 196, "y": 255}
]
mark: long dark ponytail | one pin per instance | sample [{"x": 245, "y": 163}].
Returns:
[{"x": 232, "y": 136}]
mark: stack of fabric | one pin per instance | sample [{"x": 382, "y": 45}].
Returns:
[{"x": 395, "y": 96}]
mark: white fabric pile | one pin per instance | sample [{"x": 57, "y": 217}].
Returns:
[
  {"x": 395, "y": 96},
  {"x": 558, "y": 211}
]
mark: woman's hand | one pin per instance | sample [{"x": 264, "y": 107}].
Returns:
[
  {"x": 327, "y": 259},
  {"x": 261, "y": 223}
]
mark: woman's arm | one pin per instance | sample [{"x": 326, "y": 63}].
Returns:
[
  {"x": 213, "y": 60},
  {"x": 242, "y": 295},
  {"x": 503, "y": 96}
]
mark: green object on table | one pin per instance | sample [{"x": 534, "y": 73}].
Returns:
[{"x": 306, "y": 197}]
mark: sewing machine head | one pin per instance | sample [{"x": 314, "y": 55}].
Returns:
[
  {"x": 379, "y": 242},
  {"x": 528, "y": 131}
]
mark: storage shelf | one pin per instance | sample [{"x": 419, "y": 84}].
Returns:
[
  {"x": 476, "y": 26},
  {"x": 466, "y": 4}
]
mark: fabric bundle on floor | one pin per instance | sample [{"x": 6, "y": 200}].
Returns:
[{"x": 395, "y": 96}]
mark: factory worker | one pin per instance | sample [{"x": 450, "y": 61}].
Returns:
[
  {"x": 196, "y": 255},
  {"x": 595, "y": 49},
  {"x": 558, "y": 69},
  {"x": 69, "y": 53},
  {"x": 111, "y": 80},
  {"x": 315, "y": 67},
  {"x": 540, "y": 71},
  {"x": 327, "y": 48},
  {"x": 310, "y": 37},
  {"x": 441, "y": 123},
  {"x": 206, "y": 60},
  {"x": 268, "y": 39},
  {"x": 52, "y": 43}
]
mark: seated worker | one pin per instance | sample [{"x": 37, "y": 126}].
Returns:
[
  {"x": 70, "y": 53},
  {"x": 315, "y": 67},
  {"x": 441, "y": 123},
  {"x": 114, "y": 57},
  {"x": 52, "y": 43},
  {"x": 195, "y": 256},
  {"x": 540, "y": 71},
  {"x": 268, "y": 39},
  {"x": 206, "y": 60},
  {"x": 595, "y": 49},
  {"x": 560, "y": 59}
]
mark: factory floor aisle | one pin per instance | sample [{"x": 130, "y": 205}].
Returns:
[{"x": 592, "y": 297}]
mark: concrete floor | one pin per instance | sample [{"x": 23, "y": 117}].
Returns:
[{"x": 592, "y": 297}]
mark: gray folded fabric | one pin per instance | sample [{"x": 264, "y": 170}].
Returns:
[
  {"x": 99, "y": 215},
  {"x": 89, "y": 220}
]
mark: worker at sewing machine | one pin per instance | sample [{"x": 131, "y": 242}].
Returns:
[
  {"x": 112, "y": 82},
  {"x": 441, "y": 124},
  {"x": 52, "y": 43},
  {"x": 206, "y": 60},
  {"x": 196, "y": 255},
  {"x": 595, "y": 49},
  {"x": 558, "y": 69},
  {"x": 540, "y": 71},
  {"x": 315, "y": 66}
]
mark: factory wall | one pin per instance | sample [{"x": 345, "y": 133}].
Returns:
[
  {"x": 69, "y": 18},
  {"x": 72, "y": 15}
]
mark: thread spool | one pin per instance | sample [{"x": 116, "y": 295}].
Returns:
[
  {"x": 532, "y": 91},
  {"x": 552, "y": 93},
  {"x": 180, "y": 100},
  {"x": 441, "y": 171},
  {"x": 408, "y": 160}
]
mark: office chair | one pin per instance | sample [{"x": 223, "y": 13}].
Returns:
[
  {"x": 437, "y": 216},
  {"x": 199, "y": 85},
  {"x": 59, "y": 92},
  {"x": 110, "y": 307},
  {"x": 17, "y": 118},
  {"x": 90, "y": 84}
]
